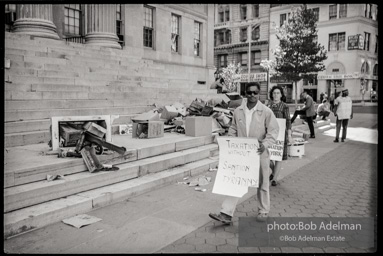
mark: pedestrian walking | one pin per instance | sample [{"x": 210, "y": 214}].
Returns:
[
  {"x": 309, "y": 111},
  {"x": 331, "y": 99},
  {"x": 323, "y": 110},
  {"x": 253, "y": 119},
  {"x": 343, "y": 112},
  {"x": 321, "y": 96},
  {"x": 280, "y": 110}
]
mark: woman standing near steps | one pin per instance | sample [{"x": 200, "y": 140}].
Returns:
[{"x": 280, "y": 110}]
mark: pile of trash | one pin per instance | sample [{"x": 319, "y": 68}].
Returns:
[{"x": 220, "y": 110}]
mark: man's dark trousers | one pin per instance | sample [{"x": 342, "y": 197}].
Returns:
[
  {"x": 344, "y": 124},
  {"x": 309, "y": 120}
]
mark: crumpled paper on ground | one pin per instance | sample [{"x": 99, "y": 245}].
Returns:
[
  {"x": 81, "y": 220},
  {"x": 54, "y": 177},
  {"x": 201, "y": 181}
]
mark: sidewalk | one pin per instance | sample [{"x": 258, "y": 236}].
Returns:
[
  {"x": 332, "y": 179},
  {"x": 341, "y": 183}
]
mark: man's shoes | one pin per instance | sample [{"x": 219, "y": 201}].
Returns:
[
  {"x": 342, "y": 140},
  {"x": 336, "y": 140},
  {"x": 222, "y": 217},
  {"x": 273, "y": 183},
  {"x": 261, "y": 217},
  {"x": 312, "y": 136},
  {"x": 271, "y": 177}
]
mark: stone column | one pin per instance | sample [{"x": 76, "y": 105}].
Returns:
[
  {"x": 101, "y": 25},
  {"x": 36, "y": 20}
]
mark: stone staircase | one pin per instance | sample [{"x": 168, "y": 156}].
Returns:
[
  {"x": 55, "y": 78},
  {"x": 30, "y": 201}
]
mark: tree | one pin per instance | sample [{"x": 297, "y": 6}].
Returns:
[
  {"x": 299, "y": 55},
  {"x": 231, "y": 75}
]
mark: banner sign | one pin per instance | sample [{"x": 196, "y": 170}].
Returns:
[
  {"x": 254, "y": 77},
  {"x": 276, "y": 150},
  {"x": 238, "y": 166},
  {"x": 338, "y": 76}
]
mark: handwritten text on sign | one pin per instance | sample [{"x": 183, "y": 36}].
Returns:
[
  {"x": 238, "y": 166},
  {"x": 276, "y": 150}
]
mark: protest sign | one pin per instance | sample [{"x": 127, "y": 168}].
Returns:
[
  {"x": 276, "y": 150},
  {"x": 238, "y": 166}
]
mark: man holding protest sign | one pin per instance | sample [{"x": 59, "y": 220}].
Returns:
[{"x": 254, "y": 120}]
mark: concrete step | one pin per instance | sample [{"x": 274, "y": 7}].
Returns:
[
  {"x": 27, "y": 126},
  {"x": 326, "y": 127},
  {"x": 26, "y": 138},
  {"x": 36, "y": 166},
  {"x": 40, "y": 215},
  {"x": 22, "y": 196}
]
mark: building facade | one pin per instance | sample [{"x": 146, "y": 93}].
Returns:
[
  {"x": 238, "y": 30},
  {"x": 159, "y": 32},
  {"x": 349, "y": 33}
]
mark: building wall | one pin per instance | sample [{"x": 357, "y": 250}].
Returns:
[
  {"x": 352, "y": 60},
  {"x": 235, "y": 47}
]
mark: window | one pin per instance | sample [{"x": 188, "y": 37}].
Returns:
[
  {"x": 366, "y": 41},
  {"x": 365, "y": 68},
  {"x": 275, "y": 5},
  {"x": 375, "y": 72},
  {"x": 367, "y": 12},
  {"x": 333, "y": 11},
  {"x": 243, "y": 34},
  {"x": 255, "y": 33},
  {"x": 197, "y": 38},
  {"x": 342, "y": 10},
  {"x": 282, "y": 19},
  {"x": 223, "y": 13},
  {"x": 244, "y": 58},
  {"x": 227, "y": 13},
  {"x": 256, "y": 58},
  {"x": 376, "y": 44},
  {"x": 316, "y": 13},
  {"x": 337, "y": 42},
  {"x": 256, "y": 10},
  {"x": 311, "y": 81},
  {"x": 222, "y": 37},
  {"x": 72, "y": 19},
  {"x": 10, "y": 14},
  {"x": 148, "y": 26},
  {"x": 175, "y": 33},
  {"x": 222, "y": 61},
  {"x": 119, "y": 30},
  {"x": 243, "y": 9}
]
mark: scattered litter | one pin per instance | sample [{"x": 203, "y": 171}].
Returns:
[
  {"x": 81, "y": 220},
  {"x": 54, "y": 177},
  {"x": 100, "y": 230},
  {"x": 201, "y": 181},
  {"x": 200, "y": 189},
  {"x": 186, "y": 178},
  {"x": 213, "y": 169},
  {"x": 183, "y": 182}
]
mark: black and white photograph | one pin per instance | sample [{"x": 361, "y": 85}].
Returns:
[{"x": 138, "y": 128}]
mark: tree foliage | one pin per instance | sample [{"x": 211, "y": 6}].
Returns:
[
  {"x": 230, "y": 75},
  {"x": 298, "y": 54}
]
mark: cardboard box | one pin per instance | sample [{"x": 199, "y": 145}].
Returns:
[
  {"x": 150, "y": 129},
  {"x": 69, "y": 134},
  {"x": 95, "y": 129},
  {"x": 169, "y": 112},
  {"x": 145, "y": 117},
  {"x": 196, "y": 126}
]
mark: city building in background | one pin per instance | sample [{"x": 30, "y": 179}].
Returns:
[
  {"x": 241, "y": 29},
  {"x": 349, "y": 33}
]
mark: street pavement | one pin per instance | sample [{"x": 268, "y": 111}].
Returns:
[
  {"x": 330, "y": 180},
  {"x": 340, "y": 183}
]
